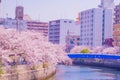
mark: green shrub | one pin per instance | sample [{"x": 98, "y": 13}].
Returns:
[
  {"x": 85, "y": 51},
  {"x": 1, "y": 70}
]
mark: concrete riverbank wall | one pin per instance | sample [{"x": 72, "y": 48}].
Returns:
[
  {"x": 39, "y": 74},
  {"x": 110, "y": 63}
]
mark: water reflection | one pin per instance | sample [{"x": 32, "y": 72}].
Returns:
[{"x": 85, "y": 73}]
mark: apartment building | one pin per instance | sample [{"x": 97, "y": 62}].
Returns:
[
  {"x": 96, "y": 26},
  {"x": 58, "y": 30},
  {"x": 117, "y": 14},
  {"x": 38, "y": 26}
]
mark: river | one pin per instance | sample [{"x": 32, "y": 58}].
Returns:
[{"x": 85, "y": 73}]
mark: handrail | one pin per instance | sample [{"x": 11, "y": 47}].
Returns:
[{"x": 102, "y": 56}]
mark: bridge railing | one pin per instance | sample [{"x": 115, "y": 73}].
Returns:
[{"x": 102, "y": 56}]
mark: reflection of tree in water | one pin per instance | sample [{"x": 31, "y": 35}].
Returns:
[
  {"x": 56, "y": 76},
  {"x": 97, "y": 73},
  {"x": 117, "y": 76},
  {"x": 110, "y": 73}
]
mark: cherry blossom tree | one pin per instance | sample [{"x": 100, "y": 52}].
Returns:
[
  {"x": 78, "y": 49},
  {"x": 97, "y": 49},
  {"x": 110, "y": 50},
  {"x": 33, "y": 45}
]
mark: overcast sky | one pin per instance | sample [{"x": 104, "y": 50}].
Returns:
[{"x": 46, "y": 10}]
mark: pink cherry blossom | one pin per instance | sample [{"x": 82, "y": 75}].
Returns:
[
  {"x": 33, "y": 45},
  {"x": 78, "y": 49},
  {"x": 110, "y": 50}
]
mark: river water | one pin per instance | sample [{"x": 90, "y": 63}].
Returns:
[{"x": 85, "y": 73}]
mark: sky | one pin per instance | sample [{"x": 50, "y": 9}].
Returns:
[{"x": 46, "y": 10}]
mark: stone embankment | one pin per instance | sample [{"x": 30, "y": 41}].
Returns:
[
  {"x": 110, "y": 63},
  {"x": 21, "y": 73}
]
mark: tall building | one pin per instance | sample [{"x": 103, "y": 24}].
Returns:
[
  {"x": 117, "y": 14},
  {"x": 58, "y": 30},
  {"x": 38, "y": 26},
  {"x": 107, "y": 4},
  {"x": 96, "y": 26},
  {"x": 19, "y": 13}
]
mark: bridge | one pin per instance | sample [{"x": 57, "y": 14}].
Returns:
[{"x": 101, "y": 56}]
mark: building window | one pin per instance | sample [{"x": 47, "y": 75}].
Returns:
[
  {"x": 78, "y": 43},
  {"x": 91, "y": 34},
  {"x": 78, "y": 38},
  {"x": 91, "y": 39},
  {"x": 91, "y": 29},
  {"x": 58, "y": 21},
  {"x": 65, "y": 21},
  {"x": 92, "y": 11},
  {"x": 70, "y": 21},
  {"x": 91, "y": 43}
]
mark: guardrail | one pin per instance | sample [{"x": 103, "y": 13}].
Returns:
[{"x": 101, "y": 56}]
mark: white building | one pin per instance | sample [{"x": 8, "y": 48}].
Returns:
[
  {"x": 107, "y": 4},
  {"x": 96, "y": 26},
  {"x": 19, "y": 25},
  {"x": 58, "y": 30}
]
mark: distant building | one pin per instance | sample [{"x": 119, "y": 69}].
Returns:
[
  {"x": 117, "y": 15},
  {"x": 58, "y": 30},
  {"x": 19, "y": 25},
  {"x": 96, "y": 26},
  {"x": 38, "y": 26},
  {"x": 19, "y": 12},
  {"x": 107, "y": 4},
  {"x": 78, "y": 19},
  {"x": 72, "y": 40},
  {"x": 116, "y": 35}
]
